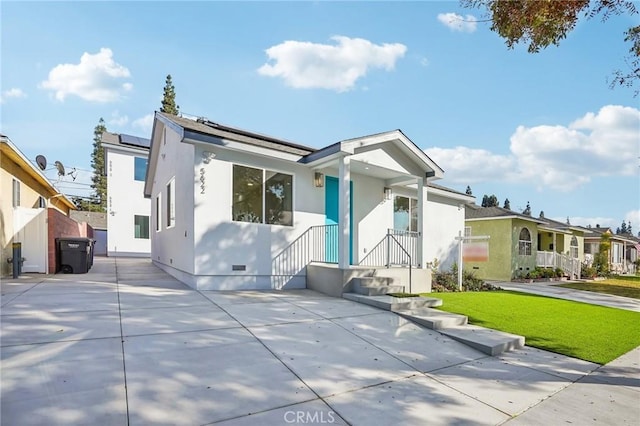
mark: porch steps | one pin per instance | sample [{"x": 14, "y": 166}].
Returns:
[
  {"x": 391, "y": 303},
  {"x": 432, "y": 318},
  {"x": 375, "y": 286},
  {"x": 418, "y": 310},
  {"x": 491, "y": 342}
]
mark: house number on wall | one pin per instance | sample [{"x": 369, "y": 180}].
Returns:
[{"x": 202, "y": 179}]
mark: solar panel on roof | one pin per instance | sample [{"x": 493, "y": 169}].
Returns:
[{"x": 134, "y": 141}]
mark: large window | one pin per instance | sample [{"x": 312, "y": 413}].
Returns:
[
  {"x": 140, "y": 168},
  {"x": 16, "y": 193},
  {"x": 405, "y": 213},
  {"x": 573, "y": 248},
  {"x": 171, "y": 203},
  {"x": 141, "y": 227},
  {"x": 524, "y": 242},
  {"x": 262, "y": 196}
]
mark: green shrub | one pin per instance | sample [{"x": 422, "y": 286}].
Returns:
[{"x": 444, "y": 282}]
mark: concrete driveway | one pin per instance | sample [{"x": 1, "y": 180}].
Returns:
[{"x": 128, "y": 344}]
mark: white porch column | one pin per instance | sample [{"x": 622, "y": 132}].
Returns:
[
  {"x": 421, "y": 199},
  {"x": 344, "y": 213}
]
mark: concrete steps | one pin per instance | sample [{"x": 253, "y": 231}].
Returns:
[
  {"x": 418, "y": 310},
  {"x": 375, "y": 286},
  {"x": 391, "y": 303},
  {"x": 491, "y": 342},
  {"x": 433, "y": 318}
]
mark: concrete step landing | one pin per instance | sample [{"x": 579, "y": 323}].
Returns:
[
  {"x": 433, "y": 318},
  {"x": 491, "y": 342},
  {"x": 391, "y": 303}
]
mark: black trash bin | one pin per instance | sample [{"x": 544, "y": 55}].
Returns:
[
  {"x": 73, "y": 255},
  {"x": 92, "y": 244}
]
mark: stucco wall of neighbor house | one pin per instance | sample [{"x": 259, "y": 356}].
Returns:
[
  {"x": 499, "y": 265},
  {"x": 267, "y": 253},
  {"x": 521, "y": 264},
  {"x": 173, "y": 246},
  {"x": 443, "y": 220},
  {"x": 125, "y": 199},
  {"x": 30, "y": 192}
]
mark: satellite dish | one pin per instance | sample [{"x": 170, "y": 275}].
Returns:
[
  {"x": 60, "y": 168},
  {"x": 41, "y": 161}
]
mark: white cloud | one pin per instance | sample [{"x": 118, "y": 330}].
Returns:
[
  {"x": 558, "y": 157},
  {"x": 13, "y": 93},
  {"x": 144, "y": 124},
  {"x": 306, "y": 65},
  {"x": 97, "y": 78},
  {"x": 634, "y": 217},
  {"x": 117, "y": 119},
  {"x": 467, "y": 165},
  {"x": 455, "y": 22}
]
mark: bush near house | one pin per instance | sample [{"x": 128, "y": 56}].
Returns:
[{"x": 444, "y": 282}]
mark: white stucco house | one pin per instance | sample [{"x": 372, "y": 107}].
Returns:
[
  {"x": 128, "y": 211},
  {"x": 232, "y": 209}
]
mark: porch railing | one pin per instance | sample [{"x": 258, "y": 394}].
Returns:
[
  {"x": 397, "y": 248},
  {"x": 550, "y": 259}
]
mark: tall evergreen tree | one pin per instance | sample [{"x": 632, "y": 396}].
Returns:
[
  {"x": 623, "y": 228},
  {"x": 468, "y": 191},
  {"x": 485, "y": 201},
  {"x": 629, "y": 230},
  {"x": 99, "y": 179},
  {"x": 527, "y": 210},
  {"x": 507, "y": 204},
  {"x": 169, "y": 99},
  {"x": 490, "y": 201},
  {"x": 541, "y": 214}
]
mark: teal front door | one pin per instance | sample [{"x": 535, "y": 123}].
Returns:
[{"x": 331, "y": 211}]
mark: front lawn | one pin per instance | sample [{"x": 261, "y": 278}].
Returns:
[
  {"x": 626, "y": 287},
  {"x": 593, "y": 333}
]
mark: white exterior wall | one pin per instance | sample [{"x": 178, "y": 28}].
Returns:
[
  {"x": 265, "y": 251},
  {"x": 172, "y": 248},
  {"x": 443, "y": 220},
  {"x": 125, "y": 199}
]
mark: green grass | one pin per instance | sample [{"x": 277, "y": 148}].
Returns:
[
  {"x": 613, "y": 286},
  {"x": 593, "y": 333}
]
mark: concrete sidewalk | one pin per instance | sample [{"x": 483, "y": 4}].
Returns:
[
  {"x": 591, "y": 297},
  {"x": 128, "y": 344}
]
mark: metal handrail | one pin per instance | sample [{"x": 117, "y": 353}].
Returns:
[{"x": 405, "y": 252}]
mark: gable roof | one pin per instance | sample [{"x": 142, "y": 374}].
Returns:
[
  {"x": 597, "y": 232},
  {"x": 475, "y": 212},
  {"x": 205, "y": 130},
  {"x": 8, "y": 149}
]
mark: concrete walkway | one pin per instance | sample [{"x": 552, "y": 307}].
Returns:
[
  {"x": 591, "y": 297},
  {"x": 127, "y": 344}
]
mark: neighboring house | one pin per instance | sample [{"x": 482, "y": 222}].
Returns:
[
  {"x": 233, "y": 209},
  {"x": 128, "y": 210},
  {"x": 97, "y": 221},
  {"x": 622, "y": 253},
  {"x": 519, "y": 243},
  {"x": 32, "y": 212}
]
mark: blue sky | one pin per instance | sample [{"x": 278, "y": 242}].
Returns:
[{"x": 543, "y": 128}]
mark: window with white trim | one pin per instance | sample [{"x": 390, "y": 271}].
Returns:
[
  {"x": 262, "y": 196},
  {"x": 467, "y": 231},
  {"x": 573, "y": 248},
  {"x": 405, "y": 213},
  {"x": 524, "y": 242},
  {"x": 171, "y": 203},
  {"x": 158, "y": 215}
]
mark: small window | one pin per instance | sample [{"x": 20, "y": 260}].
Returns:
[
  {"x": 42, "y": 203},
  {"x": 16, "y": 193},
  {"x": 467, "y": 231},
  {"x": 140, "y": 168},
  {"x": 158, "y": 208},
  {"x": 524, "y": 243},
  {"x": 171, "y": 203},
  {"x": 141, "y": 227}
]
